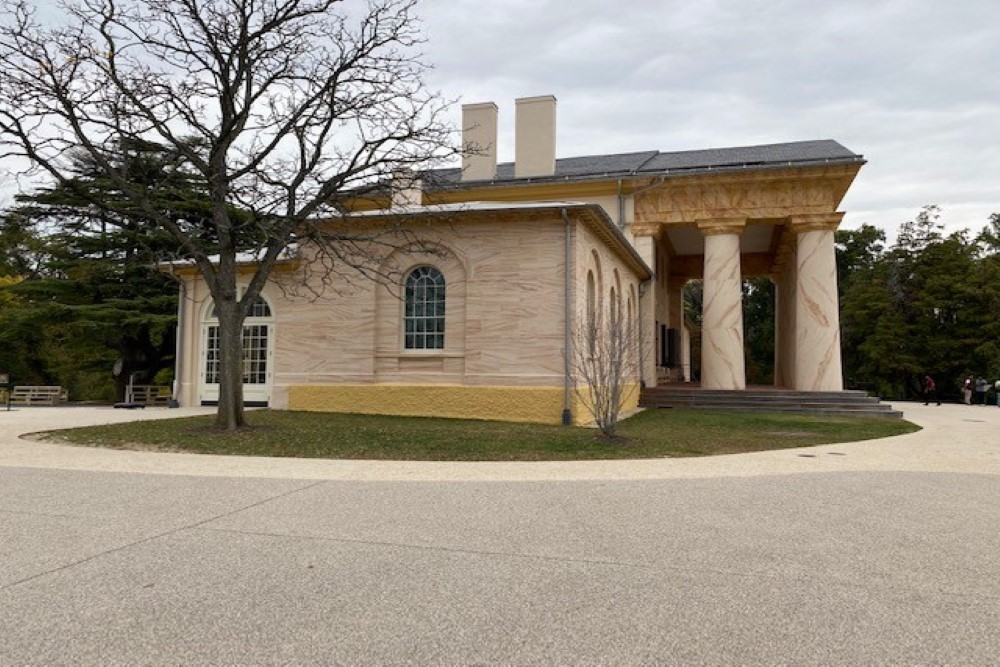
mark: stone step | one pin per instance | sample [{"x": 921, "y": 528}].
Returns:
[
  {"x": 769, "y": 406},
  {"x": 861, "y": 400},
  {"x": 829, "y": 412},
  {"x": 836, "y": 403},
  {"x": 777, "y": 393},
  {"x": 764, "y": 400}
]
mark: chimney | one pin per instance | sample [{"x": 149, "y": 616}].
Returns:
[
  {"x": 535, "y": 136},
  {"x": 407, "y": 189},
  {"x": 479, "y": 142}
]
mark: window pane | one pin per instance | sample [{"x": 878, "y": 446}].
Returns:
[{"x": 424, "y": 309}]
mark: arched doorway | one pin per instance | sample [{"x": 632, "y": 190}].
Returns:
[{"x": 258, "y": 355}]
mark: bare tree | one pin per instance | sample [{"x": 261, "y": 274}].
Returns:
[
  {"x": 278, "y": 106},
  {"x": 605, "y": 362}
]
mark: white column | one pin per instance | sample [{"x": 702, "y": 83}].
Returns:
[
  {"x": 646, "y": 247},
  {"x": 187, "y": 367},
  {"x": 817, "y": 308},
  {"x": 722, "y": 361}
]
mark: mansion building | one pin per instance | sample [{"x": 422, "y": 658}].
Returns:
[{"x": 522, "y": 254}]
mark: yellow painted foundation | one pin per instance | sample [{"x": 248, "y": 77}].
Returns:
[
  {"x": 541, "y": 405},
  {"x": 583, "y": 415},
  {"x": 516, "y": 404}
]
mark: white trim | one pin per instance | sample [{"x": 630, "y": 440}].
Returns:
[{"x": 255, "y": 393}]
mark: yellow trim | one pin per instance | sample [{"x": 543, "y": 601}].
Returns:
[
  {"x": 583, "y": 415},
  {"x": 515, "y": 404},
  {"x": 526, "y": 191},
  {"x": 541, "y": 405}
]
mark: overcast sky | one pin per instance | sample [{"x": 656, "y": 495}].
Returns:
[{"x": 913, "y": 85}]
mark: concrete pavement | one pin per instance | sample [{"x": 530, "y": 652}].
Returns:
[
  {"x": 955, "y": 438},
  {"x": 884, "y": 552}
]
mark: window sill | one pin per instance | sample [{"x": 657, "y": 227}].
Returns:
[{"x": 421, "y": 354}]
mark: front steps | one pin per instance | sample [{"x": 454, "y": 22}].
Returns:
[{"x": 768, "y": 399}]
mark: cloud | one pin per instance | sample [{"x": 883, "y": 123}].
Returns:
[{"x": 908, "y": 83}]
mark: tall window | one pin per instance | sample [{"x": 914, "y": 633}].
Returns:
[
  {"x": 255, "y": 337},
  {"x": 424, "y": 310},
  {"x": 591, "y": 300},
  {"x": 591, "y": 332}
]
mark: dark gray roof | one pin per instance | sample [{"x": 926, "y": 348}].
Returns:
[{"x": 647, "y": 163}]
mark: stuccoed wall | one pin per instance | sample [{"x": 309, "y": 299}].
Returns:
[
  {"x": 516, "y": 404},
  {"x": 541, "y": 405}
]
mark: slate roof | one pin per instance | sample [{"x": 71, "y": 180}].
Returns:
[{"x": 651, "y": 163}]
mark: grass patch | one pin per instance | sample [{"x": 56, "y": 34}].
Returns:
[{"x": 650, "y": 434}]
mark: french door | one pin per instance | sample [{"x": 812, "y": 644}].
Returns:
[{"x": 257, "y": 364}]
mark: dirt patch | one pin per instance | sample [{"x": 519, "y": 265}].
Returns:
[{"x": 614, "y": 440}]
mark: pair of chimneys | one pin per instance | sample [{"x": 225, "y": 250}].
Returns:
[{"x": 534, "y": 139}]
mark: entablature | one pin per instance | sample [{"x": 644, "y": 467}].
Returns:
[{"x": 754, "y": 195}]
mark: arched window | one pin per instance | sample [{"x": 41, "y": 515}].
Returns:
[
  {"x": 590, "y": 335},
  {"x": 614, "y": 310},
  {"x": 259, "y": 308},
  {"x": 423, "y": 321},
  {"x": 591, "y": 300},
  {"x": 629, "y": 315},
  {"x": 617, "y": 295}
]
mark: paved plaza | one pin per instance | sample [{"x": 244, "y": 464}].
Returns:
[{"x": 875, "y": 552}]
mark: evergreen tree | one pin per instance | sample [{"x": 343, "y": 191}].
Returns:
[
  {"x": 758, "y": 327},
  {"x": 87, "y": 291},
  {"x": 928, "y": 305}
]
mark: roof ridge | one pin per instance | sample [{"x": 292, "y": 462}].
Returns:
[{"x": 757, "y": 156}]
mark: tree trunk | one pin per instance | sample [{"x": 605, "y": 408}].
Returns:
[{"x": 230, "y": 415}]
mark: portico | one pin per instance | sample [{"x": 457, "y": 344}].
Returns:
[{"x": 723, "y": 228}]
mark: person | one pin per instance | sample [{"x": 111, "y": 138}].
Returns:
[
  {"x": 930, "y": 391},
  {"x": 967, "y": 389},
  {"x": 982, "y": 386},
  {"x": 996, "y": 387}
]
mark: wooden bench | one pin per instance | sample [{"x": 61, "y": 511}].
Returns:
[
  {"x": 39, "y": 395},
  {"x": 148, "y": 394}
]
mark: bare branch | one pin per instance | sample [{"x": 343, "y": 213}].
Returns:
[
  {"x": 606, "y": 363},
  {"x": 280, "y": 107}
]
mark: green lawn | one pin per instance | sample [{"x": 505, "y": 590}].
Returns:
[{"x": 650, "y": 434}]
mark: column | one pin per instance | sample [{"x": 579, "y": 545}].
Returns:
[
  {"x": 646, "y": 247},
  {"x": 722, "y": 361},
  {"x": 817, "y": 364}
]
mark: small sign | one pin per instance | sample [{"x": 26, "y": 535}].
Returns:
[{"x": 4, "y": 378}]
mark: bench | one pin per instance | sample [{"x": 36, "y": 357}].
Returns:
[
  {"x": 148, "y": 394},
  {"x": 38, "y": 395}
]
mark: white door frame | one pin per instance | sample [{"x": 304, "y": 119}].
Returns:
[{"x": 255, "y": 392}]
